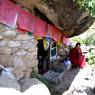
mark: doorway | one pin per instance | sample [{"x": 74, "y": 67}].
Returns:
[{"x": 43, "y": 57}]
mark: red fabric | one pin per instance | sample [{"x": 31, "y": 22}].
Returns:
[
  {"x": 55, "y": 33},
  {"x": 21, "y": 30},
  {"x": 40, "y": 28},
  {"x": 82, "y": 61},
  {"x": 49, "y": 31},
  {"x": 8, "y": 13},
  {"x": 1, "y": 4},
  {"x": 52, "y": 32},
  {"x": 77, "y": 59},
  {"x": 26, "y": 21}
]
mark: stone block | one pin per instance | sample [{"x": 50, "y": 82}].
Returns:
[
  {"x": 6, "y": 82},
  {"x": 31, "y": 64},
  {"x": 30, "y": 56},
  {"x": 6, "y": 60},
  {"x": 18, "y": 63},
  {"x": 3, "y": 43},
  {"x": 21, "y": 53},
  {"x": 28, "y": 73},
  {"x": 23, "y": 37},
  {"x": 53, "y": 76},
  {"x": 14, "y": 44},
  {"x": 5, "y": 50},
  {"x": 19, "y": 75},
  {"x": 22, "y": 72},
  {"x": 27, "y": 45},
  {"x": 10, "y": 34}
]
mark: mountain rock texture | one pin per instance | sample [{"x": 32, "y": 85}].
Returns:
[{"x": 64, "y": 14}]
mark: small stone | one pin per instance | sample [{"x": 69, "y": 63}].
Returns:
[
  {"x": 6, "y": 60},
  {"x": 21, "y": 53},
  {"x": 5, "y": 50},
  {"x": 14, "y": 44},
  {"x": 24, "y": 42},
  {"x": 10, "y": 34},
  {"x": 23, "y": 37},
  {"x": 53, "y": 76},
  {"x": 27, "y": 45},
  {"x": 18, "y": 63},
  {"x": 3, "y": 43},
  {"x": 6, "y": 82}
]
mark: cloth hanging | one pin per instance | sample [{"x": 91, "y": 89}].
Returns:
[
  {"x": 26, "y": 21},
  {"x": 8, "y": 13},
  {"x": 52, "y": 32},
  {"x": 40, "y": 28},
  {"x": 21, "y": 30},
  {"x": 55, "y": 33}
]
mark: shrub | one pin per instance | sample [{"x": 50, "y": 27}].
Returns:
[{"x": 91, "y": 57}]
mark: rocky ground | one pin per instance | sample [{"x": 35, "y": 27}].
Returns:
[
  {"x": 9, "y": 86},
  {"x": 78, "y": 82}
]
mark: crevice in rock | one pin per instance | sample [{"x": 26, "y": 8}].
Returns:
[{"x": 42, "y": 16}]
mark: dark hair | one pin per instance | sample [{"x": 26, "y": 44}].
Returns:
[{"x": 78, "y": 44}]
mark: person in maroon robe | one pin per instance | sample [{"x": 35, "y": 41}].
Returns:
[{"x": 76, "y": 56}]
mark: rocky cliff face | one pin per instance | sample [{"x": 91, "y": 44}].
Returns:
[{"x": 64, "y": 14}]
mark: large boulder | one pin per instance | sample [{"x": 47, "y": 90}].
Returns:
[
  {"x": 7, "y": 82},
  {"x": 64, "y": 14},
  {"x": 9, "y": 91},
  {"x": 29, "y": 87},
  {"x": 33, "y": 87}
]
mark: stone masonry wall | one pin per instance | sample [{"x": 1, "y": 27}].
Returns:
[{"x": 18, "y": 51}]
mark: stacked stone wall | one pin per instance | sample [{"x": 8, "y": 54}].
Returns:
[{"x": 18, "y": 51}]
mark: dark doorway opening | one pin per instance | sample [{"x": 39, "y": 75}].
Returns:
[{"x": 43, "y": 58}]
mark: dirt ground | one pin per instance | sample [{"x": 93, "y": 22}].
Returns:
[{"x": 78, "y": 81}]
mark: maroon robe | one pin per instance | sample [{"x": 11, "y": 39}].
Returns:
[{"x": 76, "y": 57}]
